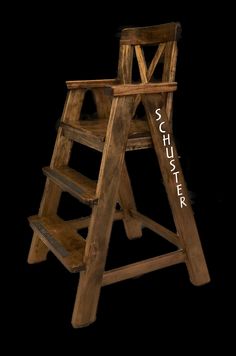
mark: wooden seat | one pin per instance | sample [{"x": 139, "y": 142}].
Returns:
[
  {"x": 92, "y": 133},
  {"x": 116, "y": 128}
]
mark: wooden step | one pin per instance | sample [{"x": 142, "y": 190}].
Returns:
[
  {"x": 73, "y": 182},
  {"x": 92, "y": 133},
  {"x": 62, "y": 239}
]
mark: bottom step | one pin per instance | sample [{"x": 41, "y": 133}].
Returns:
[{"x": 62, "y": 239}]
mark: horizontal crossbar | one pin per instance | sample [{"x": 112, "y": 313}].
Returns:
[
  {"x": 142, "y": 88},
  {"x": 142, "y": 267},
  {"x": 82, "y": 223},
  {"x": 151, "y": 35}
]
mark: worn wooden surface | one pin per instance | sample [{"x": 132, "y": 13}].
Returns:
[
  {"x": 151, "y": 35},
  {"x": 74, "y": 183},
  {"x": 183, "y": 217},
  {"x": 62, "y": 239},
  {"x": 142, "y": 267},
  {"x": 61, "y": 155},
  {"x": 49, "y": 204},
  {"x": 85, "y": 84},
  {"x": 77, "y": 133},
  {"x": 92, "y": 133},
  {"x": 137, "y": 129},
  {"x": 73, "y": 106},
  {"x": 125, "y": 64},
  {"x": 102, "y": 215},
  {"x": 146, "y": 88}
]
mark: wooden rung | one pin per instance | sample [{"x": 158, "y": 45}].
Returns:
[
  {"x": 74, "y": 183},
  {"x": 142, "y": 267},
  {"x": 62, "y": 239},
  {"x": 83, "y": 223},
  {"x": 157, "y": 228}
]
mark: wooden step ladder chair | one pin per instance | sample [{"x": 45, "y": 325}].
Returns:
[{"x": 115, "y": 131}]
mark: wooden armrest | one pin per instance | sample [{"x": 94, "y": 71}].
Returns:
[
  {"x": 76, "y": 84},
  {"x": 143, "y": 88}
]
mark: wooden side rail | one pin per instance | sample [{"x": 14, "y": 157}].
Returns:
[
  {"x": 113, "y": 87},
  {"x": 138, "y": 268},
  {"x": 146, "y": 88}
]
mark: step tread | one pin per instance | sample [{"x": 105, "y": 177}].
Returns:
[
  {"x": 73, "y": 182},
  {"x": 62, "y": 239},
  {"x": 99, "y": 127}
]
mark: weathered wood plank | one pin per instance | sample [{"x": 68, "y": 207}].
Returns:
[
  {"x": 174, "y": 183},
  {"x": 82, "y": 137},
  {"x": 63, "y": 240},
  {"x": 92, "y": 133},
  {"x": 146, "y": 88},
  {"x": 74, "y": 183},
  {"x": 168, "y": 75},
  {"x": 133, "y": 228},
  {"x": 61, "y": 155},
  {"x": 125, "y": 64},
  {"x": 72, "y": 109},
  {"x": 142, "y": 267},
  {"x": 71, "y": 114},
  {"x": 151, "y": 35}
]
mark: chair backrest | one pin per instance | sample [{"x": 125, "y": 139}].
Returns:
[{"x": 164, "y": 37}]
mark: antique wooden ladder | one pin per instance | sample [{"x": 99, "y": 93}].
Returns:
[{"x": 115, "y": 131}]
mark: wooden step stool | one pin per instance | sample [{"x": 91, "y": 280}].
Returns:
[{"x": 116, "y": 130}]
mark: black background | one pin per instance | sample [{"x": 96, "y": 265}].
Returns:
[{"x": 49, "y": 46}]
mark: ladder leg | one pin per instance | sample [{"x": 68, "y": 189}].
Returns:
[
  {"x": 102, "y": 216},
  {"x": 133, "y": 227},
  {"x": 61, "y": 155},
  {"x": 176, "y": 189}
]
